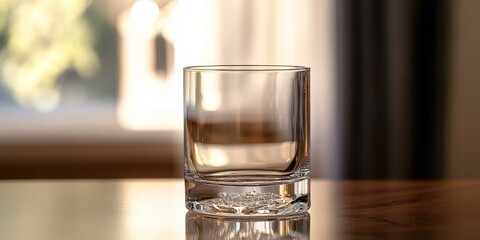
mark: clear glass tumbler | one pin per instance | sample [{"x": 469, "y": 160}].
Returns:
[{"x": 247, "y": 139}]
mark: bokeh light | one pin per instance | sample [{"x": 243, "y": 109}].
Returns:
[
  {"x": 43, "y": 39},
  {"x": 145, "y": 12}
]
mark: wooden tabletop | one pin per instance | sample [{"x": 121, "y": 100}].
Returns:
[{"x": 154, "y": 209}]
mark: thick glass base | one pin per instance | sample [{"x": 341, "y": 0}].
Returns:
[{"x": 276, "y": 198}]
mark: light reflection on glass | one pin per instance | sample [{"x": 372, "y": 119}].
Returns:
[{"x": 206, "y": 227}]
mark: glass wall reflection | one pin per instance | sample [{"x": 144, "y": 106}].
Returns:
[{"x": 200, "y": 226}]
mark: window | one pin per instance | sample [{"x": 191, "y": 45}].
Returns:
[{"x": 94, "y": 88}]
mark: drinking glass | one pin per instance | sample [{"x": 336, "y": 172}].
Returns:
[{"x": 246, "y": 133}]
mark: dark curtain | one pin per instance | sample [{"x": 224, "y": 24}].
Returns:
[{"x": 393, "y": 75}]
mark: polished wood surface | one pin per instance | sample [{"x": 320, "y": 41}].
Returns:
[{"x": 153, "y": 209}]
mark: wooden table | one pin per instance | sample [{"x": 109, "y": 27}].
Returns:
[{"x": 153, "y": 209}]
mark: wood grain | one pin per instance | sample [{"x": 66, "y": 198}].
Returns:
[
  {"x": 154, "y": 209},
  {"x": 408, "y": 210}
]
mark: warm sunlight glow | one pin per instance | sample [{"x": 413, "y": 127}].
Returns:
[
  {"x": 211, "y": 97},
  {"x": 147, "y": 99},
  {"x": 217, "y": 158},
  {"x": 148, "y": 210},
  {"x": 145, "y": 12}
]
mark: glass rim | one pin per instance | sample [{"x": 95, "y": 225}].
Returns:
[{"x": 246, "y": 68}]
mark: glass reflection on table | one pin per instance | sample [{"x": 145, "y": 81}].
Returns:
[{"x": 200, "y": 226}]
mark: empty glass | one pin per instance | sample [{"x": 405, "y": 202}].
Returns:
[{"x": 247, "y": 139}]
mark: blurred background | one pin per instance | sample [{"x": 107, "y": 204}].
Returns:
[{"x": 93, "y": 88}]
